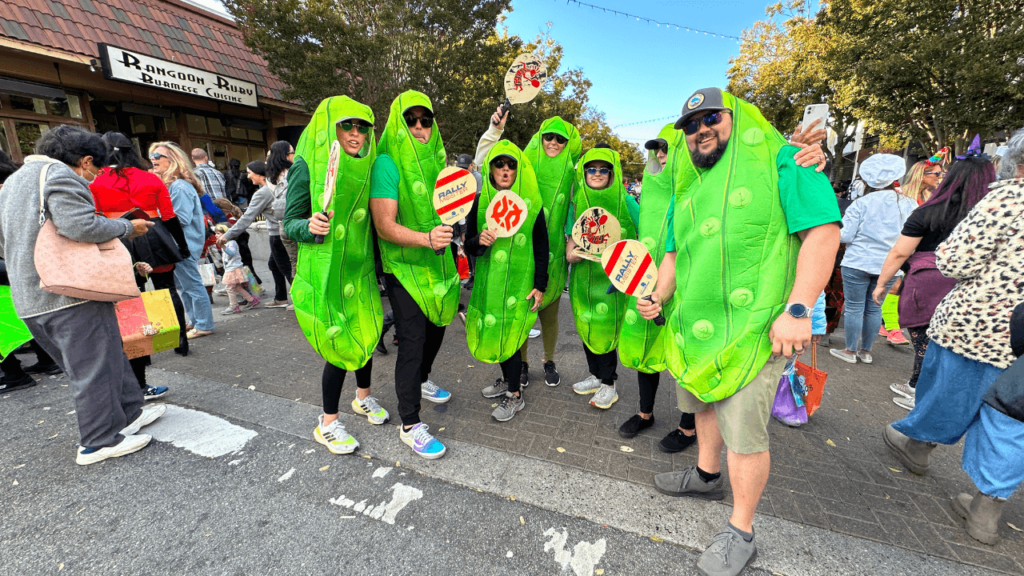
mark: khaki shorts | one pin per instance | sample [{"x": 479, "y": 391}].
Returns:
[{"x": 743, "y": 417}]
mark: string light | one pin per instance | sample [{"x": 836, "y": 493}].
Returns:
[
  {"x": 652, "y": 21},
  {"x": 672, "y": 117}
]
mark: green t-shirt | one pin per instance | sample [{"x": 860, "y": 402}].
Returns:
[
  {"x": 807, "y": 198},
  {"x": 384, "y": 183},
  {"x": 631, "y": 206}
]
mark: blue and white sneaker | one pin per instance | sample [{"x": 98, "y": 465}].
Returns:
[
  {"x": 154, "y": 392},
  {"x": 421, "y": 441},
  {"x": 436, "y": 395}
]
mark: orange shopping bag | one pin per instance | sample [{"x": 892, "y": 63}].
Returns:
[{"x": 814, "y": 381}]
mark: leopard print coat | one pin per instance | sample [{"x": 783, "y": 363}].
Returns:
[{"x": 985, "y": 253}]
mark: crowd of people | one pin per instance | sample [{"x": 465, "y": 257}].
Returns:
[{"x": 759, "y": 226}]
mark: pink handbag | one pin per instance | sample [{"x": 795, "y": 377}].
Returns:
[{"x": 100, "y": 272}]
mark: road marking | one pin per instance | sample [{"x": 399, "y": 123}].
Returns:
[
  {"x": 199, "y": 432},
  {"x": 584, "y": 555},
  {"x": 286, "y": 475},
  {"x": 381, "y": 472},
  {"x": 234, "y": 462},
  {"x": 386, "y": 512}
]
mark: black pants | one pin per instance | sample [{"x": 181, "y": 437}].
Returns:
[
  {"x": 280, "y": 268},
  {"x": 11, "y": 366},
  {"x": 419, "y": 340},
  {"x": 602, "y": 365},
  {"x": 246, "y": 254},
  {"x": 919, "y": 337},
  {"x": 648, "y": 384},
  {"x": 512, "y": 369},
  {"x": 334, "y": 378}
]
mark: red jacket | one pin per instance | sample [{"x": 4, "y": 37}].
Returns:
[{"x": 115, "y": 195}]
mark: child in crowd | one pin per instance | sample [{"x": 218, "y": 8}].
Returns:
[{"x": 234, "y": 276}]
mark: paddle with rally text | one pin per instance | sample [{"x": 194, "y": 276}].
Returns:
[
  {"x": 631, "y": 270},
  {"x": 454, "y": 193}
]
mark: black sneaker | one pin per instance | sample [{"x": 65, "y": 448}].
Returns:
[
  {"x": 636, "y": 424},
  {"x": 154, "y": 392},
  {"x": 676, "y": 441},
  {"x": 38, "y": 368},
  {"x": 524, "y": 376},
  {"x": 380, "y": 346},
  {"x": 7, "y": 385},
  {"x": 551, "y": 377}
]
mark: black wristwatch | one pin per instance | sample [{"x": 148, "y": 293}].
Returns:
[{"x": 798, "y": 310}]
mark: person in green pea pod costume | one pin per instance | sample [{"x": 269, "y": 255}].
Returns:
[
  {"x": 641, "y": 343},
  {"x": 598, "y": 314},
  {"x": 511, "y": 275},
  {"x": 750, "y": 249},
  {"x": 335, "y": 291},
  {"x": 553, "y": 151},
  {"x": 423, "y": 286}
]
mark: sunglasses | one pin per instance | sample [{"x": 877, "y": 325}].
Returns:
[
  {"x": 939, "y": 173},
  {"x": 503, "y": 162},
  {"x": 156, "y": 156},
  {"x": 596, "y": 171},
  {"x": 555, "y": 137},
  {"x": 348, "y": 126},
  {"x": 709, "y": 120},
  {"x": 424, "y": 121}
]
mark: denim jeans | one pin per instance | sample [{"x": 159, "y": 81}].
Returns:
[
  {"x": 862, "y": 317},
  {"x": 193, "y": 294}
]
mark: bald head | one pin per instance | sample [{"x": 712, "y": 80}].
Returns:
[{"x": 199, "y": 156}]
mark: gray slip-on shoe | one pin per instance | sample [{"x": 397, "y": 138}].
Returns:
[
  {"x": 728, "y": 555},
  {"x": 687, "y": 482}
]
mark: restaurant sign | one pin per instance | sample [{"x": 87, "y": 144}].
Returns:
[{"x": 127, "y": 66}]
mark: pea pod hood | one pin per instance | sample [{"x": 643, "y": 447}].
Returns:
[
  {"x": 555, "y": 178},
  {"x": 642, "y": 345},
  {"x": 499, "y": 319},
  {"x": 599, "y": 315},
  {"x": 431, "y": 279},
  {"x": 335, "y": 291},
  {"x": 736, "y": 260}
]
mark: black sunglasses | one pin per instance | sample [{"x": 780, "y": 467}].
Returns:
[
  {"x": 503, "y": 162},
  {"x": 939, "y": 173},
  {"x": 347, "y": 127},
  {"x": 156, "y": 156},
  {"x": 425, "y": 121},
  {"x": 709, "y": 120},
  {"x": 549, "y": 137}
]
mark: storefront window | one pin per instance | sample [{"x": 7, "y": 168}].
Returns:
[
  {"x": 37, "y": 105},
  {"x": 5, "y": 144},
  {"x": 143, "y": 125},
  {"x": 71, "y": 108},
  {"x": 216, "y": 128},
  {"x": 257, "y": 153},
  {"x": 196, "y": 124},
  {"x": 171, "y": 124},
  {"x": 28, "y": 134},
  {"x": 238, "y": 133},
  {"x": 256, "y": 135},
  {"x": 220, "y": 153},
  {"x": 240, "y": 152}
]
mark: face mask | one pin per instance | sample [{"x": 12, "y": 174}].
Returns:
[{"x": 91, "y": 173}]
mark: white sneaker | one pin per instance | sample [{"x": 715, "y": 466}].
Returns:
[
  {"x": 430, "y": 391},
  {"x": 905, "y": 403},
  {"x": 904, "y": 390},
  {"x": 534, "y": 333},
  {"x": 865, "y": 357},
  {"x": 587, "y": 386},
  {"x": 335, "y": 437},
  {"x": 127, "y": 446},
  {"x": 605, "y": 397},
  {"x": 148, "y": 416},
  {"x": 370, "y": 408}
]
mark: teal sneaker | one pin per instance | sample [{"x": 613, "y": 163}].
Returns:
[
  {"x": 431, "y": 392},
  {"x": 371, "y": 409},
  {"x": 422, "y": 442}
]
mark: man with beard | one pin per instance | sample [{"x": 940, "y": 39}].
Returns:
[{"x": 767, "y": 230}]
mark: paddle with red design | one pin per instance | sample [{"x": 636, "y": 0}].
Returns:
[
  {"x": 631, "y": 269},
  {"x": 331, "y": 180},
  {"x": 595, "y": 230},
  {"x": 506, "y": 213},
  {"x": 453, "y": 197},
  {"x": 523, "y": 80}
]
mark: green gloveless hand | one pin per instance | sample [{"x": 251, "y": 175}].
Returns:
[
  {"x": 599, "y": 315},
  {"x": 335, "y": 293},
  {"x": 555, "y": 177},
  {"x": 499, "y": 319},
  {"x": 642, "y": 343},
  {"x": 431, "y": 279},
  {"x": 735, "y": 259}
]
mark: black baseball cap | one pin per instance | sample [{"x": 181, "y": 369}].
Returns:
[
  {"x": 656, "y": 144},
  {"x": 703, "y": 100},
  {"x": 463, "y": 161}
]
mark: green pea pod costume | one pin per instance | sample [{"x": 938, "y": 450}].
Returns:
[
  {"x": 555, "y": 178},
  {"x": 599, "y": 315},
  {"x": 13, "y": 332},
  {"x": 337, "y": 302},
  {"x": 642, "y": 345},
  {"x": 735, "y": 259},
  {"x": 499, "y": 319},
  {"x": 431, "y": 279}
]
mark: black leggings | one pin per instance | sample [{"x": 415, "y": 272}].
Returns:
[
  {"x": 602, "y": 365},
  {"x": 648, "y": 384},
  {"x": 246, "y": 254},
  {"x": 919, "y": 337},
  {"x": 511, "y": 371},
  {"x": 280, "y": 268},
  {"x": 334, "y": 378}
]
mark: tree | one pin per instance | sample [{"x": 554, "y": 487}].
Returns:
[
  {"x": 937, "y": 71},
  {"x": 780, "y": 70}
]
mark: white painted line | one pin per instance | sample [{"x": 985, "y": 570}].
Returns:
[
  {"x": 381, "y": 472},
  {"x": 584, "y": 555},
  {"x": 403, "y": 496},
  {"x": 199, "y": 432},
  {"x": 286, "y": 475}
]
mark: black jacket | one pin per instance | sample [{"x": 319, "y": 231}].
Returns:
[{"x": 1007, "y": 393}]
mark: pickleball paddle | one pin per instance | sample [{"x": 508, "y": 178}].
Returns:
[
  {"x": 453, "y": 197},
  {"x": 594, "y": 231},
  {"x": 506, "y": 213},
  {"x": 631, "y": 270},
  {"x": 332, "y": 177},
  {"x": 523, "y": 80}
]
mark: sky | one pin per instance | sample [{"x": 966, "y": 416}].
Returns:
[{"x": 640, "y": 71}]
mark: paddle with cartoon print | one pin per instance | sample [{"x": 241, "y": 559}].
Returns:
[
  {"x": 523, "y": 81},
  {"x": 454, "y": 193},
  {"x": 631, "y": 270},
  {"x": 595, "y": 230},
  {"x": 332, "y": 179}
]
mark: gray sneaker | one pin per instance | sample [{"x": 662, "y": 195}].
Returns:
[
  {"x": 687, "y": 482},
  {"x": 589, "y": 385},
  {"x": 499, "y": 388},
  {"x": 510, "y": 404},
  {"x": 728, "y": 555}
]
